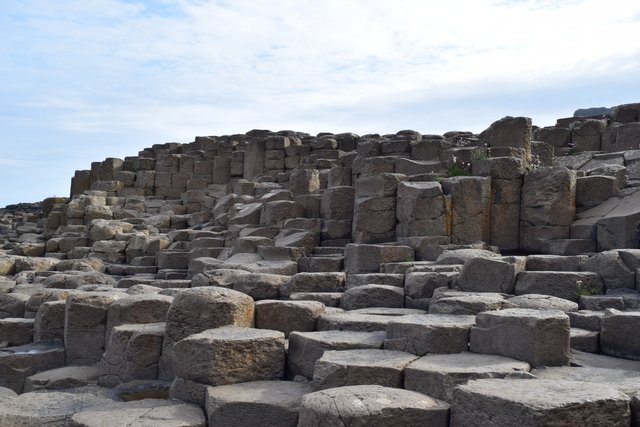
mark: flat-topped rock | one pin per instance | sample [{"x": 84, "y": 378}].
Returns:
[
  {"x": 62, "y": 378},
  {"x": 539, "y": 337},
  {"x": 618, "y": 336},
  {"x": 271, "y": 403},
  {"x": 505, "y": 402},
  {"x": 371, "y": 405},
  {"x": 350, "y": 321},
  {"x": 437, "y": 375},
  {"x": 362, "y": 366},
  {"x": 373, "y": 295},
  {"x": 561, "y": 284},
  {"x": 307, "y": 347},
  {"x": 230, "y": 354},
  {"x": 429, "y": 333},
  {"x": 623, "y": 380},
  {"x": 288, "y": 316},
  {"x": 18, "y": 363},
  {"x": 469, "y": 304},
  {"x": 543, "y": 302}
]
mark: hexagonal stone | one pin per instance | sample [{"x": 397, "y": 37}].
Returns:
[
  {"x": 540, "y": 337},
  {"x": 372, "y": 296},
  {"x": 271, "y": 403},
  {"x": 619, "y": 336},
  {"x": 288, "y": 316},
  {"x": 468, "y": 304},
  {"x": 429, "y": 333},
  {"x": 61, "y": 378},
  {"x": 305, "y": 348},
  {"x": 351, "y": 321},
  {"x": 230, "y": 355},
  {"x": 197, "y": 309},
  {"x": 356, "y": 367},
  {"x": 16, "y": 331},
  {"x": 505, "y": 402},
  {"x": 18, "y": 363},
  {"x": 371, "y": 405},
  {"x": 437, "y": 375}
]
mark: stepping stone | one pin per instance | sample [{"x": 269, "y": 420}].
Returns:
[
  {"x": 586, "y": 319},
  {"x": 230, "y": 354},
  {"x": 371, "y": 405},
  {"x": 505, "y": 402},
  {"x": 584, "y": 340},
  {"x": 358, "y": 367},
  {"x": 16, "y": 331},
  {"x": 329, "y": 299},
  {"x": 133, "y": 353},
  {"x": 539, "y": 337},
  {"x": 372, "y": 296},
  {"x": 623, "y": 380},
  {"x": 561, "y": 284},
  {"x": 18, "y": 363},
  {"x": 288, "y": 316},
  {"x": 269, "y": 403},
  {"x": 590, "y": 360},
  {"x": 543, "y": 302},
  {"x": 354, "y": 280},
  {"x": 438, "y": 375},
  {"x": 468, "y": 304},
  {"x": 305, "y": 348},
  {"x": 197, "y": 309},
  {"x": 429, "y": 333},
  {"x": 350, "y": 321},
  {"x": 62, "y": 378},
  {"x": 619, "y": 336},
  {"x": 260, "y": 285},
  {"x": 85, "y": 326},
  {"x": 314, "y": 282},
  {"x": 144, "y": 308}
]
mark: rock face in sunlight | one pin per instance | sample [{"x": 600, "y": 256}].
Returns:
[{"x": 337, "y": 279}]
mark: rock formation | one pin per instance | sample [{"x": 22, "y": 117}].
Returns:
[{"x": 334, "y": 280}]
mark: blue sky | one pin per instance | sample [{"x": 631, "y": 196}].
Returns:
[{"x": 84, "y": 80}]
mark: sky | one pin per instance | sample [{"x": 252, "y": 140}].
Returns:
[{"x": 81, "y": 81}]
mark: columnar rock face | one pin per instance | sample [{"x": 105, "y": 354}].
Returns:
[
  {"x": 548, "y": 206},
  {"x": 445, "y": 264},
  {"x": 471, "y": 208}
]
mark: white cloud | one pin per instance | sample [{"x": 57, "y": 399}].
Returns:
[{"x": 185, "y": 67}]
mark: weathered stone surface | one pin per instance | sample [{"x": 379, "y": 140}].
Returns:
[
  {"x": 359, "y": 367},
  {"x": 288, "y": 316},
  {"x": 314, "y": 282},
  {"x": 132, "y": 353},
  {"x": 371, "y": 405},
  {"x": 488, "y": 275},
  {"x": 502, "y": 402},
  {"x": 539, "y": 337},
  {"x": 469, "y": 304},
  {"x": 560, "y": 284},
  {"x": 363, "y": 258},
  {"x": 62, "y": 378},
  {"x": 145, "y": 308},
  {"x": 618, "y": 336},
  {"x": 548, "y": 199},
  {"x": 85, "y": 326},
  {"x": 12, "y": 305},
  {"x": 555, "y": 262},
  {"x": 612, "y": 269},
  {"x": 197, "y": 309},
  {"x": 471, "y": 208},
  {"x": 16, "y": 332},
  {"x": 372, "y": 296},
  {"x": 438, "y": 375},
  {"x": 353, "y": 321},
  {"x": 271, "y": 403},
  {"x": 543, "y": 302},
  {"x": 307, "y": 347},
  {"x": 259, "y": 285},
  {"x": 229, "y": 355},
  {"x": 429, "y": 333},
  {"x": 18, "y": 363}
]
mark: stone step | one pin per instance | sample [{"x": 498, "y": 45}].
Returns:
[
  {"x": 569, "y": 246},
  {"x": 62, "y": 378},
  {"x": 585, "y": 340},
  {"x": 16, "y": 331},
  {"x": 322, "y": 263},
  {"x": 19, "y": 363},
  {"x": 328, "y": 250}
]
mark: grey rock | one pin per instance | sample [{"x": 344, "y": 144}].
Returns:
[
  {"x": 429, "y": 333},
  {"x": 371, "y": 405}
]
